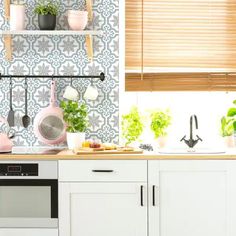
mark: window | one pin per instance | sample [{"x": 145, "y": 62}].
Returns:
[{"x": 180, "y": 45}]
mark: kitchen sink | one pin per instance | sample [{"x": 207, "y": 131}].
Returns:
[{"x": 191, "y": 151}]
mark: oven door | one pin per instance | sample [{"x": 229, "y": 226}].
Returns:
[{"x": 28, "y": 203}]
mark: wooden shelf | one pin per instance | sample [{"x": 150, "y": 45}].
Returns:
[
  {"x": 7, "y": 35},
  {"x": 88, "y": 33},
  {"x": 51, "y": 32}
]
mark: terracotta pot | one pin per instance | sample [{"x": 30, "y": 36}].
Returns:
[
  {"x": 229, "y": 141},
  {"x": 162, "y": 141}
]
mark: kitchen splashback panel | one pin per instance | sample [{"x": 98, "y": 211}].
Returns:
[{"x": 65, "y": 55}]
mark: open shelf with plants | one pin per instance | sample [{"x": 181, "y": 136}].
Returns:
[{"x": 8, "y": 34}]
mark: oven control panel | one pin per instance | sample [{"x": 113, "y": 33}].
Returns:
[{"x": 14, "y": 169}]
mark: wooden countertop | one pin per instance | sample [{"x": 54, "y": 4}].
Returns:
[{"x": 68, "y": 155}]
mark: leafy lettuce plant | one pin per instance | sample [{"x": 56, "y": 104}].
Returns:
[
  {"x": 160, "y": 121},
  {"x": 132, "y": 126},
  {"x": 75, "y": 116}
]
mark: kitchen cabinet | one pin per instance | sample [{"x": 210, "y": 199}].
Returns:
[
  {"x": 103, "y": 198},
  {"x": 192, "y": 198}
]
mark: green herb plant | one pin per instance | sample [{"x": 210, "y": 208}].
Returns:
[
  {"x": 132, "y": 125},
  {"x": 160, "y": 121},
  {"x": 228, "y": 122},
  {"x": 227, "y": 126},
  {"x": 47, "y": 7},
  {"x": 75, "y": 116},
  {"x": 232, "y": 114}
]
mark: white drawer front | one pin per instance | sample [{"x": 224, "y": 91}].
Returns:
[{"x": 103, "y": 170}]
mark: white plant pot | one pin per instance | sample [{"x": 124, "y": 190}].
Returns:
[
  {"x": 17, "y": 17},
  {"x": 162, "y": 142},
  {"x": 75, "y": 140},
  {"x": 229, "y": 141}
]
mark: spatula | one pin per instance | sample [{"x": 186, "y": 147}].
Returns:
[
  {"x": 26, "y": 118},
  {"x": 11, "y": 114}
]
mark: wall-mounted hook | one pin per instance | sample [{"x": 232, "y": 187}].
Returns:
[
  {"x": 91, "y": 81},
  {"x": 71, "y": 80},
  {"x": 10, "y": 81},
  {"x": 102, "y": 76},
  {"x": 52, "y": 78},
  {"x": 26, "y": 84}
]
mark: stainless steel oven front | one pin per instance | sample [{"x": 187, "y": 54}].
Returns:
[{"x": 28, "y": 194}]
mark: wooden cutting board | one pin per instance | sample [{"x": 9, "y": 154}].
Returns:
[{"x": 94, "y": 152}]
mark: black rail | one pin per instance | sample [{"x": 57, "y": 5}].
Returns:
[{"x": 101, "y": 76}]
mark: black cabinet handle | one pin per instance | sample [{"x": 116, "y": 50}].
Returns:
[
  {"x": 154, "y": 195},
  {"x": 141, "y": 195},
  {"x": 102, "y": 171}
]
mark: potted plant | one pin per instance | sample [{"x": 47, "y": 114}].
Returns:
[
  {"x": 132, "y": 126},
  {"x": 228, "y": 126},
  {"x": 76, "y": 117},
  {"x": 227, "y": 130},
  {"x": 47, "y": 11},
  {"x": 160, "y": 121}
]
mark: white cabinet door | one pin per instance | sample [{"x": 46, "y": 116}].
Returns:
[
  {"x": 102, "y": 209},
  {"x": 192, "y": 198}
]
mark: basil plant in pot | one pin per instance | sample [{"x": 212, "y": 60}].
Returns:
[
  {"x": 160, "y": 121},
  {"x": 76, "y": 117},
  {"x": 47, "y": 11},
  {"x": 132, "y": 126}
]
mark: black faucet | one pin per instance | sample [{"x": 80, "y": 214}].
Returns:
[{"x": 192, "y": 142}]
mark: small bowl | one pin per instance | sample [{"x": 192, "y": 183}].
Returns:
[{"x": 77, "y": 22}]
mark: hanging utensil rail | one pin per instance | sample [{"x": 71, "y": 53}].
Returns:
[{"x": 101, "y": 76}]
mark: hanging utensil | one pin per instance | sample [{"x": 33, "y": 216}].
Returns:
[
  {"x": 49, "y": 125},
  {"x": 11, "y": 113},
  {"x": 26, "y": 118}
]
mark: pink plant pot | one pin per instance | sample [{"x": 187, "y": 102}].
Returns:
[
  {"x": 17, "y": 17},
  {"x": 77, "y": 22}
]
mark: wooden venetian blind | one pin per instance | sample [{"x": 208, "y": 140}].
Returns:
[{"x": 180, "y": 45}]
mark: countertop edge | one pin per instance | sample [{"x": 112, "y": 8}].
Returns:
[{"x": 41, "y": 157}]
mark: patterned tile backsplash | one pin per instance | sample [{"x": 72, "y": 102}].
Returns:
[{"x": 65, "y": 55}]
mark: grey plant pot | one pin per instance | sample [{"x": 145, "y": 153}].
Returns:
[{"x": 47, "y": 22}]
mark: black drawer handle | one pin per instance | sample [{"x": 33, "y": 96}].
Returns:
[
  {"x": 154, "y": 195},
  {"x": 141, "y": 195},
  {"x": 102, "y": 171}
]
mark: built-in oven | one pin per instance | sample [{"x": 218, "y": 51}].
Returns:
[{"x": 28, "y": 194}]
